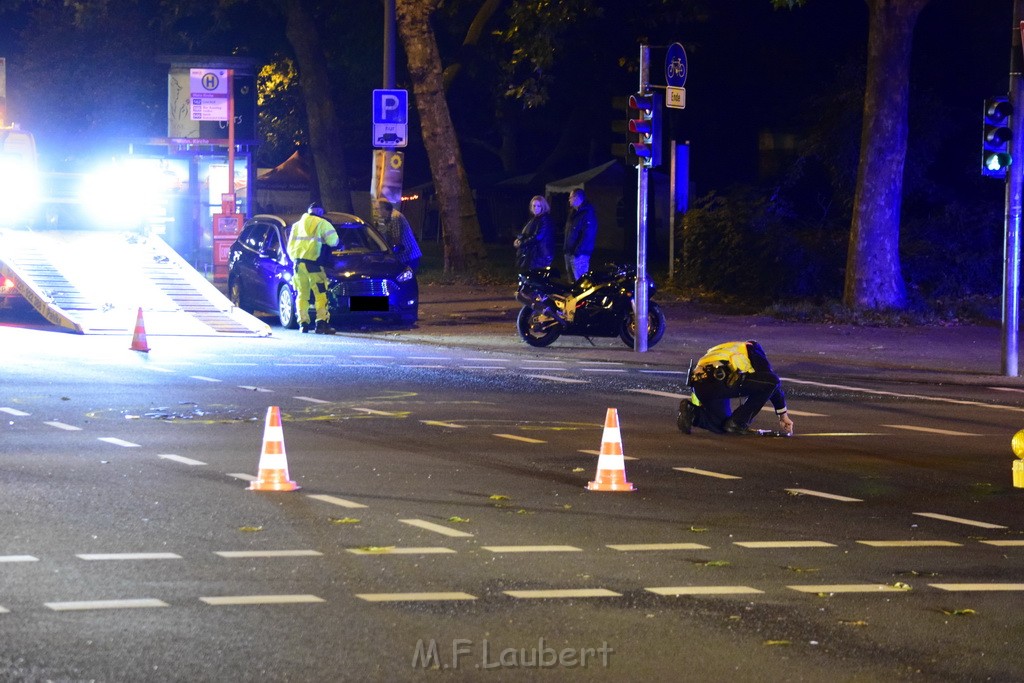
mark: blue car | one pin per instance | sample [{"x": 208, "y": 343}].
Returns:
[{"x": 365, "y": 281}]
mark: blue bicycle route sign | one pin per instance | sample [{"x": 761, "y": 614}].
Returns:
[{"x": 675, "y": 66}]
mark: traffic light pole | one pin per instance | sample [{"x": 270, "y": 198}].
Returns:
[
  {"x": 640, "y": 296},
  {"x": 1014, "y": 185}
]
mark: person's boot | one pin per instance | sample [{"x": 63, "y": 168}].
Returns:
[
  {"x": 731, "y": 427},
  {"x": 687, "y": 415},
  {"x": 323, "y": 328},
  {"x": 305, "y": 327}
]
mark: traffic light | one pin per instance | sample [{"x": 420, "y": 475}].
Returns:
[
  {"x": 996, "y": 134},
  {"x": 647, "y": 125}
]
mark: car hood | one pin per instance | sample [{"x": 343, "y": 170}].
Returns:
[{"x": 360, "y": 266}]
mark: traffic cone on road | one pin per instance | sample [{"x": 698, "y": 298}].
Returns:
[
  {"x": 611, "y": 465},
  {"x": 273, "y": 474},
  {"x": 139, "y": 338}
]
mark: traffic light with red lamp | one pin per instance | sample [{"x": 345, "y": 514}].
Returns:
[
  {"x": 996, "y": 135},
  {"x": 647, "y": 125}
]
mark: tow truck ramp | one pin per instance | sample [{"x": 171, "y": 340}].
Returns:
[{"x": 95, "y": 282}]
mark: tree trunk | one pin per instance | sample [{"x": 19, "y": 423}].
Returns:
[
  {"x": 463, "y": 243},
  {"x": 873, "y": 276},
  {"x": 324, "y": 139}
]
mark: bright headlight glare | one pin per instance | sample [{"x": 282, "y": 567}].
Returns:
[{"x": 405, "y": 275}]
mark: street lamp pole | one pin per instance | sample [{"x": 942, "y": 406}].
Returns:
[{"x": 1014, "y": 185}]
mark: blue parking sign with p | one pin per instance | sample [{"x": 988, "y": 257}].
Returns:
[{"x": 390, "y": 106}]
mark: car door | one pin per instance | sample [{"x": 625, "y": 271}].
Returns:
[{"x": 272, "y": 265}]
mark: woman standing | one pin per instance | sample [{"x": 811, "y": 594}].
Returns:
[{"x": 536, "y": 242}]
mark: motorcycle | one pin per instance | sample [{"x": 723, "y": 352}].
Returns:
[{"x": 599, "y": 304}]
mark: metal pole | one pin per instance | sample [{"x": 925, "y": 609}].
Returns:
[
  {"x": 1014, "y": 184},
  {"x": 231, "y": 140},
  {"x": 640, "y": 296},
  {"x": 389, "y": 44},
  {"x": 672, "y": 214}
]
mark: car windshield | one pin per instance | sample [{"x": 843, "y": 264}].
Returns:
[{"x": 358, "y": 238}]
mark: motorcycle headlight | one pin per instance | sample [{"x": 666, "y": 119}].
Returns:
[{"x": 405, "y": 275}]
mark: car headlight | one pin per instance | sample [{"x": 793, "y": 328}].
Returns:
[{"x": 405, "y": 275}]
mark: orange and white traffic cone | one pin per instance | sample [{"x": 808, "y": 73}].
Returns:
[
  {"x": 611, "y": 465},
  {"x": 273, "y": 474},
  {"x": 139, "y": 338}
]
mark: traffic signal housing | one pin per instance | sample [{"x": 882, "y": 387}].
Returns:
[
  {"x": 647, "y": 126},
  {"x": 996, "y": 135}
]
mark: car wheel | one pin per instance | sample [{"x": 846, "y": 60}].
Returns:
[
  {"x": 537, "y": 328},
  {"x": 286, "y": 308},
  {"x": 235, "y": 294},
  {"x": 655, "y": 326}
]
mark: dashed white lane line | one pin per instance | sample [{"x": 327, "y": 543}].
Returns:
[
  {"x": 15, "y": 412},
  {"x": 664, "y": 372},
  {"x": 533, "y": 548},
  {"x": 65, "y": 427},
  {"x": 296, "y": 365},
  {"x": 361, "y": 357},
  {"x": 18, "y": 558},
  {"x": 235, "y": 364},
  {"x": 484, "y": 360},
  {"x": 960, "y": 520},
  {"x": 413, "y": 597},
  {"x": 157, "y": 368},
  {"x": 118, "y": 442},
  {"x": 421, "y": 366},
  {"x": 105, "y": 604},
  {"x": 553, "y": 378},
  {"x": 371, "y": 411},
  {"x": 703, "y": 590},
  {"x": 524, "y": 439},
  {"x": 910, "y": 544},
  {"x": 938, "y": 399},
  {"x": 1004, "y": 543},
  {"x": 128, "y": 556},
  {"x": 242, "y": 554},
  {"x": 181, "y": 458},
  {"x": 1020, "y": 391},
  {"x": 225, "y": 600},
  {"x": 849, "y": 588},
  {"x": 706, "y": 473},
  {"x": 590, "y": 451},
  {"x": 629, "y": 547},
  {"x": 784, "y": 544},
  {"x": 334, "y": 500},
  {"x": 662, "y": 394},
  {"x": 391, "y": 550},
  {"x": 930, "y": 430},
  {"x": 438, "y": 423},
  {"x": 4, "y": 610},
  {"x": 309, "y": 399},
  {"x": 564, "y": 593},
  {"x": 428, "y": 358},
  {"x": 436, "y": 528},
  {"x": 603, "y": 370},
  {"x": 204, "y": 378},
  {"x": 978, "y": 586},
  {"x": 542, "y": 367},
  {"x": 242, "y": 476},
  {"x": 259, "y": 390},
  {"x": 482, "y": 367},
  {"x": 821, "y": 494}
]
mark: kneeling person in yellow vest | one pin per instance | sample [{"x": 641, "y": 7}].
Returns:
[
  {"x": 728, "y": 371},
  {"x": 309, "y": 234}
]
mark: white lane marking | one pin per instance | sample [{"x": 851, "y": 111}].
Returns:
[
  {"x": 156, "y": 368},
  {"x": 372, "y": 357},
  {"x": 260, "y": 390},
  {"x": 128, "y": 556},
  {"x": 542, "y": 367},
  {"x": 1020, "y": 391},
  {"x": 603, "y": 370},
  {"x": 706, "y": 473},
  {"x": 1004, "y": 543},
  {"x": 204, "y": 378},
  {"x": 978, "y": 586},
  {"x": 849, "y": 588},
  {"x": 309, "y": 399},
  {"x": 977, "y": 404},
  {"x": 118, "y": 442},
  {"x": 15, "y": 412},
  {"x": 533, "y": 549},
  {"x": 247, "y": 365},
  {"x": 334, "y": 500},
  {"x": 413, "y": 597},
  {"x": 910, "y": 544},
  {"x": 703, "y": 590},
  {"x": 930, "y": 430},
  {"x": 436, "y": 528},
  {"x": 663, "y": 394},
  {"x": 658, "y": 546},
  {"x": 234, "y": 554},
  {"x": 541, "y": 362},
  {"x": 242, "y": 476},
  {"x": 371, "y": 411},
  {"x": 485, "y": 360},
  {"x": 400, "y": 551},
  {"x": 4, "y": 610},
  {"x": 420, "y": 366},
  {"x": 482, "y": 367},
  {"x": 565, "y": 593},
  {"x": 803, "y": 434},
  {"x": 65, "y": 427},
  {"x": 18, "y": 558},
  {"x": 105, "y": 604},
  {"x": 820, "y": 494},
  {"x": 567, "y": 380},
  {"x": 524, "y": 439},
  {"x": 960, "y": 520},
  {"x": 181, "y": 458},
  {"x": 664, "y": 372},
  {"x": 803, "y": 413},
  {"x": 604, "y": 362},
  {"x": 437, "y": 423},
  {"x": 784, "y": 544},
  {"x": 261, "y": 599},
  {"x": 593, "y": 452},
  {"x": 296, "y": 365},
  {"x": 428, "y": 357}
]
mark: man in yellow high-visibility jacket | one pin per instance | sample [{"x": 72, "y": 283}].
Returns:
[{"x": 309, "y": 234}]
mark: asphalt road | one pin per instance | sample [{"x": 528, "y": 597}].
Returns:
[{"x": 443, "y": 529}]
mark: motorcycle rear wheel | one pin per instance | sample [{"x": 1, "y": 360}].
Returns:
[
  {"x": 655, "y": 326},
  {"x": 536, "y": 328}
]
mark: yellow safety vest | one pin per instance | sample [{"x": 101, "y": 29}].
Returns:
[
  {"x": 308, "y": 233},
  {"x": 732, "y": 355}
]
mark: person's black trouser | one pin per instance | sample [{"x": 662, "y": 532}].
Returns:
[{"x": 715, "y": 400}]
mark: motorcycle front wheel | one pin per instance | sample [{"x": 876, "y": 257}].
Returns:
[
  {"x": 655, "y": 326},
  {"x": 537, "y": 328}
]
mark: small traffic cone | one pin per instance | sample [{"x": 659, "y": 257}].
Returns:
[
  {"x": 273, "y": 474},
  {"x": 139, "y": 338},
  {"x": 611, "y": 465}
]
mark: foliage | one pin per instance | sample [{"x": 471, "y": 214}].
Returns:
[{"x": 280, "y": 106}]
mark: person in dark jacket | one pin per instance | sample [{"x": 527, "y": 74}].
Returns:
[
  {"x": 727, "y": 371},
  {"x": 580, "y": 234},
  {"x": 535, "y": 245}
]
